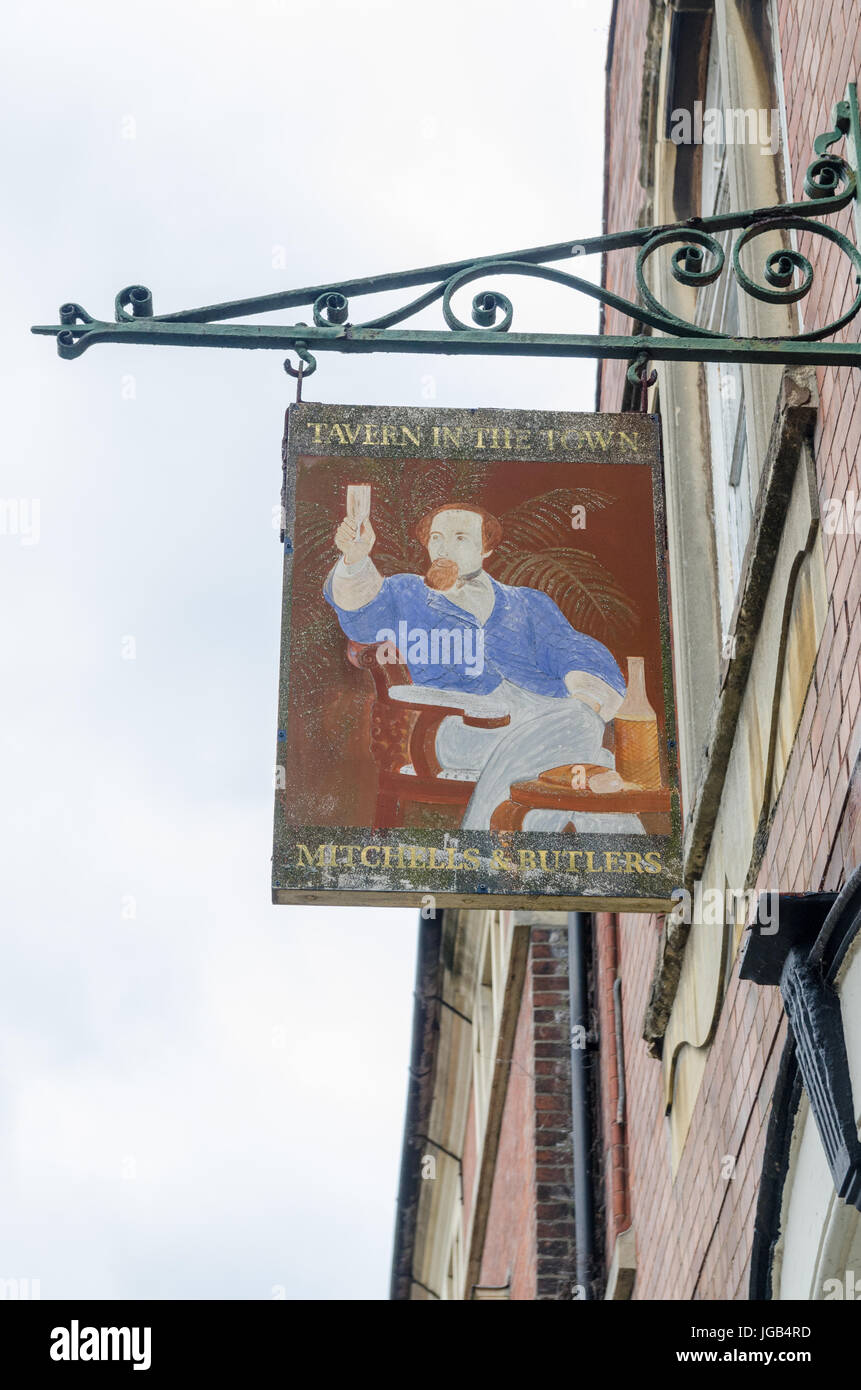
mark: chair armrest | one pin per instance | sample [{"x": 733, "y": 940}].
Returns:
[
  {"x": 431, "y": 716},
  {"x": 393, "y": 729},
  {"x": 478, "y": 711}
]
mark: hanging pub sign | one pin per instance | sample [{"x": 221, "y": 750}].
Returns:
[{"x": 476, "y": 699}]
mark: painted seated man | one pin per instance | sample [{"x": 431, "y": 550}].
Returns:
[{"x": 508, "y": 648}]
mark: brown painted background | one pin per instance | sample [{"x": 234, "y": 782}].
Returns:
[{"x": 331, "y": 776}]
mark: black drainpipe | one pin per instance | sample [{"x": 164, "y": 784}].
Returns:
[{"x": 581, "y": 1111}]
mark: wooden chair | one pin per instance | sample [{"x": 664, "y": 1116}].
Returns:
[{"x": 403, "y": 734}]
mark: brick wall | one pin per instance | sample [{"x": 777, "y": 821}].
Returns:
[
  {"x": 554, "y": 1193},
  {"x": 530, "y": 1227},
  {"x": 627, "y": 196},
  {"x": 817, "y": 830},
  {"x": 694, "y": 1233}
]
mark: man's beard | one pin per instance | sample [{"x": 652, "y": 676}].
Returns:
[{"x": 442, "y": 574}]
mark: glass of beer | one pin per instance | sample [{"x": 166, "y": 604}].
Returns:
[{"x": 358, "y": 505}]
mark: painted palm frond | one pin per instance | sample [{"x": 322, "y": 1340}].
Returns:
[
  {"x": 544, "y": 521},
  {"x": 314, "y": 542},
  {"x": 585, "y": 590},
  {"x": 432, "y": 485}
]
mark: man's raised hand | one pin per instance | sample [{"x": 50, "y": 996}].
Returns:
[{"x": 354, "y": 542}]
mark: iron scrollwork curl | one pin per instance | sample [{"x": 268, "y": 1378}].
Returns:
[
  {"x": 781, "y": 265},
  {"x": 824, "y": 177},
  {"x": 487, "y": 305},
  {"x": 688, "y": 266},
  {"x": 137, "y": 298},
  {"x": 331, "y": 308}
]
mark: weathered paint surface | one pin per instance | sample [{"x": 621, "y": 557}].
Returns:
[{"x": 580, "y": 501}]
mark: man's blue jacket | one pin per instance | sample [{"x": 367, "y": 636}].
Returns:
[{"x": 527, "y": 640}]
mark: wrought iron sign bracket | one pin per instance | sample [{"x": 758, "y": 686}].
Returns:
[{"x": 697, "y": 260}]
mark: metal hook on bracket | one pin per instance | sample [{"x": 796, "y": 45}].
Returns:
[
  {"x": 307, "y": 365},
  {"x": 638, "y": 375}
]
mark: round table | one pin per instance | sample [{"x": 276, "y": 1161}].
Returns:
[{"x": 553, "y": 791}]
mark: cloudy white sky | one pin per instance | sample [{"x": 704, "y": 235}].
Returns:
[{"x": 202, "y": 1095}]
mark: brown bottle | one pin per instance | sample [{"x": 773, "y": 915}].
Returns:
[{"x": 636, "y": 725}]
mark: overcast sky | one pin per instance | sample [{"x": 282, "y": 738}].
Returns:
[{"x": 201, "y": 1094}]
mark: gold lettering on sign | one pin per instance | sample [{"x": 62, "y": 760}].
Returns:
[
  {"x": 603, "y": 438},
  {"x": 495, "y": 437},
  {"x": 452, "y": 859}
]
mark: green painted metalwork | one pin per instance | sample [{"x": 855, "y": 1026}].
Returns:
[{"x": 830, "y": 184}]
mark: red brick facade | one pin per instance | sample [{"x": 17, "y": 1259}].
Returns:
[
  {"x": 817, "y": 830},
  {"x": 530, "y": 1232},
  {"x": 623, "y": 195},
  {"x": 694, "y": 1232}
]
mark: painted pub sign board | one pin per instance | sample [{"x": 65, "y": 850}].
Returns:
[{"x": 476, "y": 697}]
